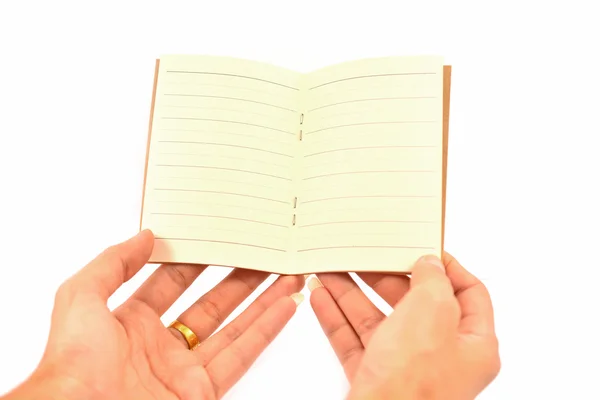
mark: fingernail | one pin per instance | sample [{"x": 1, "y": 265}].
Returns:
[
  {"x": 306, "y": 277},
  {"x": 314, "y": 283},
  {"x": 298, "y": 298},
  {"x": 145, "y": 232},
  {"x": 432, "y": 260}
]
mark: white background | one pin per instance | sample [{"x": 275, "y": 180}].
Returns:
[{"x": 524, "y": 167}]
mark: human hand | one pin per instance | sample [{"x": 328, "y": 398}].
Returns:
[
  {"x": 93, "y": 353},
  {"x": 438, "y": 343}
]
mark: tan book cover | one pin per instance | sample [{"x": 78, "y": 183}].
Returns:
[{"x": 251, "y": 165}]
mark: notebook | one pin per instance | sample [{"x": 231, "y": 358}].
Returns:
[{"x": 255, "y": 166}]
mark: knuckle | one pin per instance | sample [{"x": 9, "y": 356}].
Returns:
[
  {"x": 437, "y": 293},
  {"x": 427, "y": 387},
  {"x": 332, "y": 331},
  {"x": 175, "y": 274},
  {"x": 487, "y": 358},
  {"x": 111, "y": 253},
  {"x": 240, "y": 355},
  {"x": 440, "y": 299},
  {"x": 232, "y": 332},
  {"x": 113, "y": 256},
  {"x": 348, "y": 354},
  {"x": 211, "y": 309},
  {"x": 368, "y": 324},
  {"x": 493, "y": 364},
  {"x": 348, "y": 290},
  {"x": 265, "y": 334},
  {"x": 261, "y": 305},
  {"x": 138, "y": 308},
  {"x": 72, "y": 353},
  {"x": 65, "y": 293}
]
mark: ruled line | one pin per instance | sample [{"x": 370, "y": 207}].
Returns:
[
  {"x": 218, "y": 217},
  {"x": 220, "y": 241},
  {"x": 395, "y": 88},
  {"x": 201, "y": 203},
  {"x": 223, "y": 109},
  {"x": 230, "y": 98},
  {"x": 212, "y": 230},
  {"x": 338, "y": 209},
  {"x": 366, "y": 247},
  {"x": 225, "y": 157},
  {"x": 218, "y": 180},
  {"x": 225, "y": 144},
  {"x": 366, "y": 222},
  {"x": 367, "y": 172},
  {"x": 366, "y": 197},
  {"x": 364, "y": 148},
  {"x": 312, "y": 235},
  {"x": 223, "y": 133},
  {"x": 369, "y": 123},
  {"x": 229, "y": 122},
  {"x": 219, "y": 86},
  {"x": 335, "y": 161},
  {"x": 223, "y": 169},
  {"x": 374, "y": 99},
  {"x": 224, "y": 193},
  {"x": 371, "y": 76},
  {"x": 399, "y": 131},
  {"x": 230, "y": 75}
]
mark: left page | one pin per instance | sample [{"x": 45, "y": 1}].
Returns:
[{"x": 219, "y": 177}]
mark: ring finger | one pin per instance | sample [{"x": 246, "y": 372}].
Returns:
[{"x": 208, "y": 313}]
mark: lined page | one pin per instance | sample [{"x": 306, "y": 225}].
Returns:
[
  {"x": 370, "y": 193},
  {"x": 219, "y": 179}
]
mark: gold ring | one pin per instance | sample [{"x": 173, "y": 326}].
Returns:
[{"x": 188, "y": 334}]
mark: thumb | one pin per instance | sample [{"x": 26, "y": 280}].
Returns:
[
  {"x": 429, "y": 312},
  {"x": 430, "y": 271},
  {"x": 113, "y": 267}
]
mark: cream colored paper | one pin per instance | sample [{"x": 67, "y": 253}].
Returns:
[
  {"x": 370, "y": 188},
  {"x": 230, "y": 183}
]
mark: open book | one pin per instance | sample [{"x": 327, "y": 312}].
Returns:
[{"x": 254, "y": 166}]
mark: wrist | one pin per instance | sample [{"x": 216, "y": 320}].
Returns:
[
  {"x": 399, "y": 387},
  {"x": 47, "y": 385},
  {"x": 370, "y": 393}
]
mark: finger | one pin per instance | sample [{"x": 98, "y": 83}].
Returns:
[
  {"x": 113, "y": 267},
  {"x": 473, "y": 298},
  {"x": 232, "y": 362},
  {"x": 391, "y": 288},
  {"x": 362, "y": 314},
  {"x": 209, "y": 311},
  {"x": 282, "y": 287},
  {"x": 429, "y": 308},
  {"x": 165, "y": 286},
  {"x": 343, "y": 339},
  {"x": 430, "y": 271}
]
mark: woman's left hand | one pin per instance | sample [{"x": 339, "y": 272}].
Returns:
[{"x": 129, "y": 354}]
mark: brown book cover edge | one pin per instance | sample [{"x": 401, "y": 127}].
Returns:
[
  {"x": 156, "y": 67},
  {"x": 445, "y": 130},
  {"x": 445, "y": 133}
]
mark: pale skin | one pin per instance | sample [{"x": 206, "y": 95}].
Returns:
[{"x": 439, "y": 343}]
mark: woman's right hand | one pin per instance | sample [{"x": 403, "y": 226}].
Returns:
[{"x": 438, "y": 343}]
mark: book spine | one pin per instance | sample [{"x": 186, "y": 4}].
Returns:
[{"x": 295, "y": 202}]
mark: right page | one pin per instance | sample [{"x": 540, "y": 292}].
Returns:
[{"x": 370, "y": 166}]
